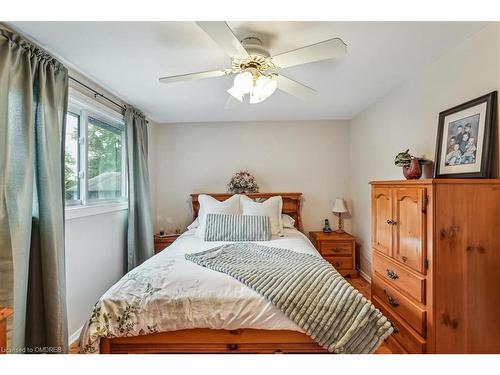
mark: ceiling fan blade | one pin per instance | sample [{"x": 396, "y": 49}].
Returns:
[
  {"x": 220, "y": 32},
  {"x": 328, "y": 49},
  {"x": 199, "y": 75},
  {"x": 295, "y": 88}
]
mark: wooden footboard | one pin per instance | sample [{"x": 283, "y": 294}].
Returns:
[{"x": 213, "y": 341}]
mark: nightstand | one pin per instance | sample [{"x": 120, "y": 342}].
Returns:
[
  {"x": 337, "y": 248},
  {"x": 4, "y": 314},
  {"x": 161, "y": 242}
]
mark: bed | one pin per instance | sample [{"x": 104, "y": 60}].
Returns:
[{"x": 170, "y": 305}]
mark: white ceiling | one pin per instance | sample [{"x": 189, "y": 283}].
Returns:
[{"x": 127, "y": 58}]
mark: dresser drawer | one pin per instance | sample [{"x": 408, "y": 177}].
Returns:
[
  {"x": 397, "y": 276},
  {"x": 408, "y": 310},
  {"x": 332, "y": 248},
  {"x": 340, "y": 262},
  {"x": 403, "y": 333}
]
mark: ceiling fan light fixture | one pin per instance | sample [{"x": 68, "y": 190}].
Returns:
[
  {"x": 263, "y": 89},
  {"x": 255, "y": 98},
  {"x": 235, "y": 93},
  {"x": 244, "y": 82}
]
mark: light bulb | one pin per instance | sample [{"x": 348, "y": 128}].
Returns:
[{"x": 244, "y": 82}]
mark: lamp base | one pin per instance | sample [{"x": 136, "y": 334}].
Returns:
[{"x": 339, "y": 231}]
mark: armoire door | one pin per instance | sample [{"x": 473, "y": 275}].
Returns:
[
  {"x": 409, "y": 227},
  {"x": 382, "y": 220}
]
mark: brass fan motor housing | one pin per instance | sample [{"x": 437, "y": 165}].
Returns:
[{"x": 259, "y": 59}]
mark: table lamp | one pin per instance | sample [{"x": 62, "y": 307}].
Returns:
[{"x": 339, "y": 207}]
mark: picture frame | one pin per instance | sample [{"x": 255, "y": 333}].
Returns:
[{"x": 464, "y": 142}]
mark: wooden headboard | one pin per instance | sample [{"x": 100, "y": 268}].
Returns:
[{"x": 291, "y": 203}]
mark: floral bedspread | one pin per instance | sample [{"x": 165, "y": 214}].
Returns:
[{"x": 168, "y": 293}]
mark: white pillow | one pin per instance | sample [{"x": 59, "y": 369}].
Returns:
[
  {"x": 287, "y": 220},
  {"x": 271, "y": 207},
  {"x": 209, "y": 205},
  {"x": 195, "y": 224}
]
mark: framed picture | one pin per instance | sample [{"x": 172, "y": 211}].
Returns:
[{"x": 464, "y": 139}]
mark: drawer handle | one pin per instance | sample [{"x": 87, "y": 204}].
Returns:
[
  {"x": 337, "y": 250},
  {"x": 392, "y": 301},
  {"x": 232, "y": 346},
  {"x": 337, "y": 264},
  {"x": 404, "y": 259},
  {"x": 391, "y": 274},
  {"x": 396, "y": 329},
  {"x": 390, "y": 222}
]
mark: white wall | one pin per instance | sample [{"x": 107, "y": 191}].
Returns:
[
  {"x": 408, "y": 116},
  {"x": 95, "y": 256},
  {"x": 308, "y": 157}
]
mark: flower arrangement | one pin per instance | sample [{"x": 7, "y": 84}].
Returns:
[{"x": 243, "y": 182}]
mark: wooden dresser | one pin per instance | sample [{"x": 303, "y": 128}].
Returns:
[
  {"x": 436, "y": 263},
  {"x": 337, "y": 248}
]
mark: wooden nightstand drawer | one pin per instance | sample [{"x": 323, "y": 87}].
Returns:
[
  {"x": 341, "y": 263},
  {"x": 335, "y": 248},
  {"x": 162, "y": 242},
  {"x": 338, "y": 249},
  {"x": 397, "y": 276},
  {"x": 413, "y": 314}
]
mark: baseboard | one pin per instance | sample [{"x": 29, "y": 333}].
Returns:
[
  {"x": 75, "y": 336},
  {"x": 365, "y": 276}
]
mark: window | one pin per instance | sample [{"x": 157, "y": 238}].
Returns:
[
  {"x": 94, "y": 155},
  {"x": 104, "y": 161},
  {"x": 72, "y": 158}
]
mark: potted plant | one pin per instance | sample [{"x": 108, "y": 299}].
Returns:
[{"x": 411, "y": 164}]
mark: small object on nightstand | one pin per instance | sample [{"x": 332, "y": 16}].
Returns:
[
  {"x": 163, "y": 241},
  {"x": 340, "y": 208},
  {"x": 339, "y": 249},
  {"x": 327, "y": 228}
]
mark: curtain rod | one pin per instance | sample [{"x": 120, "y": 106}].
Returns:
[{"x": 97, "y": 93}]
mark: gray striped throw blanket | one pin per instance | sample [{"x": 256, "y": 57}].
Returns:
[{"x": 308, "y": 290}]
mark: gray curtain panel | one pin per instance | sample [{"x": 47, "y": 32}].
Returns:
[
  {"x": 140, "y": 221},
  {"x": 33, "y": 102}
]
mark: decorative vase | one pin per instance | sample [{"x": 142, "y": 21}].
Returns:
[{"x": 412, "y": 171}]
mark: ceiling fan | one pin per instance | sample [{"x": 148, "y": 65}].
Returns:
[{"x": 258, "y": 73}]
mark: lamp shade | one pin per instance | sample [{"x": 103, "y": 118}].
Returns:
[{"x": 339, "y": 207}]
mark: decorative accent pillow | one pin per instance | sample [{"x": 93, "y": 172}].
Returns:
[
  {"x": 209, "y": 205},
  {"x": 288, "y": 221},
  {"x": 221, "y": 227},
  {"x": 271, "y": 207}
]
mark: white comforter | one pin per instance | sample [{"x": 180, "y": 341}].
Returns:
[{"x": 168, "y": 293}]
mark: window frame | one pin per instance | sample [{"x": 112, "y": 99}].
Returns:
[
  {"x": 85, "y": 107},
  {"x": 75, "y": 202}
]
